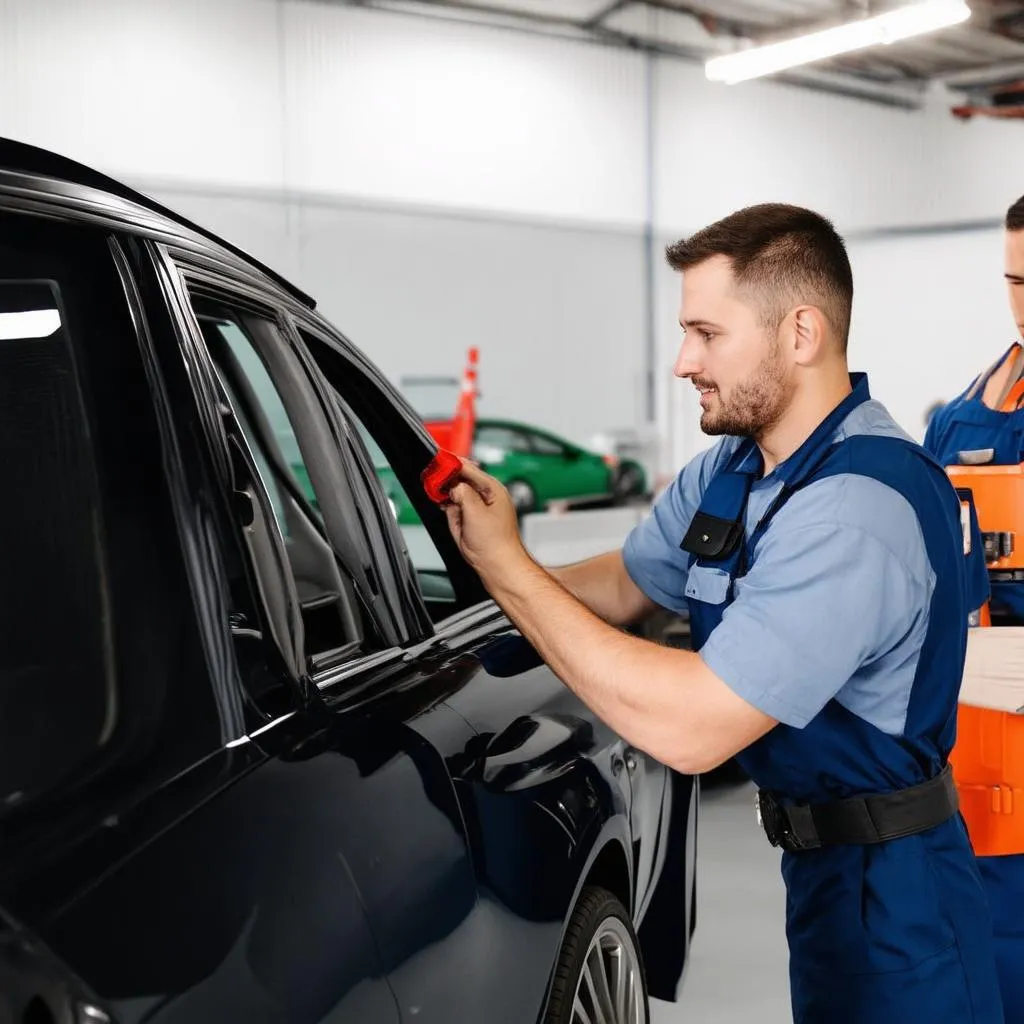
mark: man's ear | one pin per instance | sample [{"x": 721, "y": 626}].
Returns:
[{"x": 810, "y": 333}]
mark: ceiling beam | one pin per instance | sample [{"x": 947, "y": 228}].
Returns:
[
  {"x": 605, "y": 13},
  {"x": 488, "y": 10}
]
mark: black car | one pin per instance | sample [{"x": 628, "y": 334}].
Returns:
[{"x": 254, "y": 766}]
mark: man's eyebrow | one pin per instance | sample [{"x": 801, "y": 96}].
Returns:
[
  {"x": 1015, "y": 278},
  {"x": 699, "y": 323}
]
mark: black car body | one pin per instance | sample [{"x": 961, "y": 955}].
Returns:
[{"x": 253, "y": 766}]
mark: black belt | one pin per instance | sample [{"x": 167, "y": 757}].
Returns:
[{"x": 859, "y": 820}]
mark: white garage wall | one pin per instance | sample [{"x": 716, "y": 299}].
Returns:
[
  {"x": 724, "y": 147},
  {"x": 557, "y": 312},
  {"x": 316, "y": 97},
  {"x": 930, "y": 313},
  {"x": 866, "y": 166},
  {"x": 185, "y": 89},
  {"x": 386, "y": 106},
  {"x": 329, "y": 139},
  {"x": 973, "y": 169}
]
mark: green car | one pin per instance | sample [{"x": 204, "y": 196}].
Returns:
[{"x": 536, "y": 467}]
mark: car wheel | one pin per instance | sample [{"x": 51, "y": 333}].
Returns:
[
  {"x": 627, "y": 484},
  {"x": 599, "y": 975},
  {"x": 523, "y": 496}
]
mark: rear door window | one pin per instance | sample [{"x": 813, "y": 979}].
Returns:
[
  {"x": 54, "y": 568},
  {"x": 102, "y": 667}
]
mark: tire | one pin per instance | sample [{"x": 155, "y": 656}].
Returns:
[
  {"x": 524, "y": 497},
  {"x": 600, "y": 935},
  {"x": 627, "y": 484}
]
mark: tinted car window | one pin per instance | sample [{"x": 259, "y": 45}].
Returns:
[
  {"x": 422, "y": 551},
  {"x": 101, "y": 658},
  {"x": 546, "y": 446},
  {"x": 502, "y": 439},
  {"x": 272, "y": 407},
  {"x": 334, "y": 622},
  {"x": 53, "y": 569}
]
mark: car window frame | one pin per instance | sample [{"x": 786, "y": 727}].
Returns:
[
  {"x": 216, "y": 422},
  {"x": 383, "y": 533},
  {"x": 533, "y": 436},
  {"x": 286, "y": 375},
  {"x": 235, "y": 293},
  {"x": 375, "y": 401}
]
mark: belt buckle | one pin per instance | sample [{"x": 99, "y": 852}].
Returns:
[{"x": 772, "y": 819}]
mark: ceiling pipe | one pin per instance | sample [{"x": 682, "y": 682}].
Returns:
[
  {"x": 994, "y": 74},
  {"x": 908, "y": 97}
]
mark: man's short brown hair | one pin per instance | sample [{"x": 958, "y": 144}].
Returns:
[
  {"x": 784, "y": 255},
  {"x": 1015, "y": 216}
]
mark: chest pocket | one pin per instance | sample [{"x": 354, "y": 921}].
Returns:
[{"x": 708, "y": 584}]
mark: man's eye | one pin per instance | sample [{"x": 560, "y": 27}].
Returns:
[{"x": 706, "y": 335}]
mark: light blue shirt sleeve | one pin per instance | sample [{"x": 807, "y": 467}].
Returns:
[
  {"x": 841, "y": 583},
  {"x": 652, "y": 555}
]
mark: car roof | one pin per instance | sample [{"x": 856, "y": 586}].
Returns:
[
  {"x": 22, "y": 158},
  {"x": 485, "y": 421},
  {"x": 526, "y": 428}
]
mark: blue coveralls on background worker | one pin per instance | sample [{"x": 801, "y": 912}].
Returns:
[
  {"x": 828, "y": 593},
  {"x": 977, "y": 420}
]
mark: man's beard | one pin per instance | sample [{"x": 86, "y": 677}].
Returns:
[{"x": 755, "y": 405}]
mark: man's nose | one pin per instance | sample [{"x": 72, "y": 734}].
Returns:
[{"x": 688, "y": 363}]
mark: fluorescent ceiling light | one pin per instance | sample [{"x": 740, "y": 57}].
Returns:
[{"x": 902, "y": 23}]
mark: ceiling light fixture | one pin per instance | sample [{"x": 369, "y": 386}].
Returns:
[{"x": 902, "y": 23}]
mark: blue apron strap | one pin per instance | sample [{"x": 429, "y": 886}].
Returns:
[
  {"x": 803, "y": 462},
  {"x": 983, "y": 378}
]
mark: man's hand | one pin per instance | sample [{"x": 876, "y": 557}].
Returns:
[{"x": 483, "y": 522}]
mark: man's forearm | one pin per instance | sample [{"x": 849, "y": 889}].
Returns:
[
  {"x": 602, "y": 584},
  {"x": 636, "y": 687}
]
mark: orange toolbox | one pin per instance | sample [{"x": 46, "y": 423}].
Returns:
[{"x": 988, "y": 758}]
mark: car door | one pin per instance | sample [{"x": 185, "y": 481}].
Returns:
[
  {"x": 534, "y": 734},
  {"x": 570, "y": 472},
  {"x": 363, "y": 773},
  {"x": 186, "y": 872},
  {"x": 504, "y": 451}
]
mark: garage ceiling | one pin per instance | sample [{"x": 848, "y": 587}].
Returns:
[{"x": 985, "y": 51}]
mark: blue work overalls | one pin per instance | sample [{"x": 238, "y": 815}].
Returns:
[
  {"x": 898, "y": 931},
  {"x": 967, "y": 424}
]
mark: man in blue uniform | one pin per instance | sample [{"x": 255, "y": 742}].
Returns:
[
  {"x": 820, "y": 555},
  {"x": 985, "y": 416},
  {"x": 976, "y": 419}
]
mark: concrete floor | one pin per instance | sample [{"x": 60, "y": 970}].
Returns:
[{"x": 738, "y": 968}]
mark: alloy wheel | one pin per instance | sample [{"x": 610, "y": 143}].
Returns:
[{"x": 610, "y": 990}]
